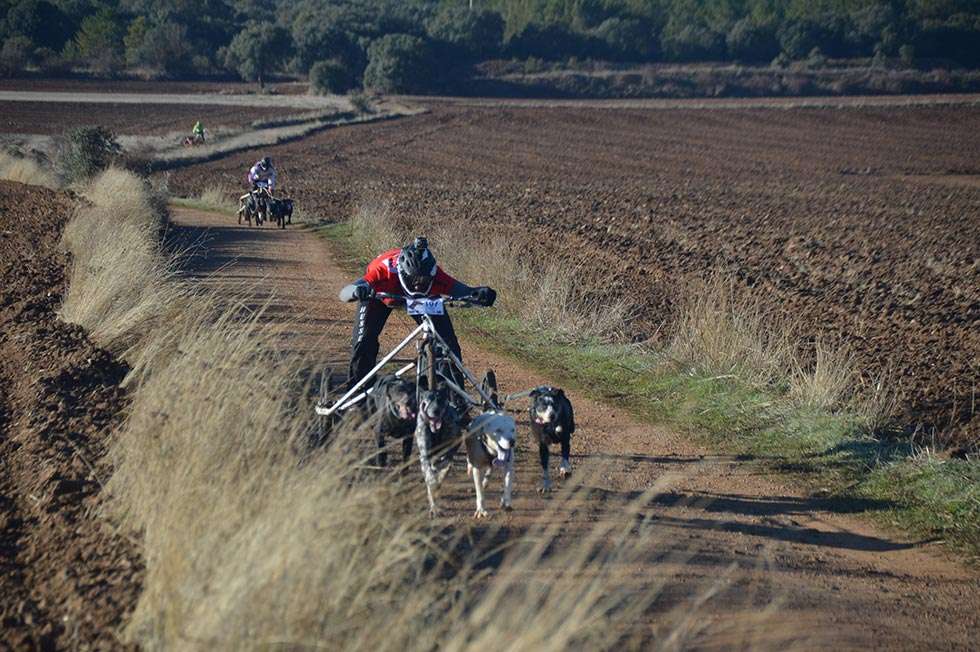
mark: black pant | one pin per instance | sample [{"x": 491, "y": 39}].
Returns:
[{"x": 368, "y": 324}]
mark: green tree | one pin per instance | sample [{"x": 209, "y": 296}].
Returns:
[
  {"x": 627, "y": 39},
  {"x": 15, "y": 54},
  {"x": 44, "y": 23},
  {"x": 331, "y": 77},
  {"x": 134, "y": 39},
  {"x": 399, "y": 63},
  {"x": 162, "y": 47},
  {"x": 748, "y": 40},
  {"x": 475, "y": 34},
  {"x": 257, "y": 50},
  {"x": 320, "y": 40},
  {"x": 99, "y": 42}
]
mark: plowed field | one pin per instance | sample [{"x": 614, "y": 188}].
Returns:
[
  {"x": 860, "y": 223},
  {"x": 67, "y": 578},
  {"x": 157, "y": 120}
]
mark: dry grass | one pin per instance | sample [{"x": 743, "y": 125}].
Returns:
[
  {"x": 718, "y": 333},
  {"x": 121, "y": 286},
  {"x": 829, "y": 382},
  {"x": 545, "y": 294},
  {"x": 252, "y": 542},
  {"x": 25, "y": 170}
]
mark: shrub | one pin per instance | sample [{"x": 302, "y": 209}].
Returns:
[
  {"x": 552, "y": 42},
  {"x": 331, "y": 77},
  {"x": 99, "y": 42},
  {"x": 16, "y": 53},
  {"x": 691, "y": 42},
  {"x": 163, "y": 47},
  {"x": 751, "y": 41},
  {"x": 86, "y": 151},
  {"x": 474, "y": 34},
  {"x": 399, "y": 63},
  {"x": 316, "y": 40},
  {"x": 256, "y": 50},
  {"x": 51, "y": 62},
  {"x": 361, "y": 103},
  {"x": 907, "y": 55},
  {"x": 627, "y": 39}
]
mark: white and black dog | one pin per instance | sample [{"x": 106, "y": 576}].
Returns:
[
  {"x": 552, "y": 422},
  {"x": 437, "y": 436},
  {"x": 490, "y": 440},
  {"x": 392, "y": 402}
]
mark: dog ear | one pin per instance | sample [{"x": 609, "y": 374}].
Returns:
[{"x": 560, "y": 393}]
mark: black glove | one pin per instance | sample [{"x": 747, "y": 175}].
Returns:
[
  {"x": 363, "y": 292},
  {"x": 484, "y": 296}
]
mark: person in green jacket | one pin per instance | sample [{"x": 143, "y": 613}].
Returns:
[{"x": 198, "y": 132}]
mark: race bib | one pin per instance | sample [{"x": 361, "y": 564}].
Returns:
[{"x": 426, "y": 307}]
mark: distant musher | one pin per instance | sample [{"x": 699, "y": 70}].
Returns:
[
  {"x": 198, "y": 132},
  {"x": 262, "y": 175}
]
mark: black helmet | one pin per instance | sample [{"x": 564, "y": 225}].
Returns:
[
  {"x": 416, "y": 267},
  {"x": 266, "y": 162}
]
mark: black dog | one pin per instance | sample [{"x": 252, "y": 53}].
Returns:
[
  {"x": 552, "y": 422},
  {"x": 282, "y": 208},
  {"x": 392, "y": 401}
]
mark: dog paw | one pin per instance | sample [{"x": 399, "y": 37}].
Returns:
[
  {"x": 434, "y": 512},
  {"x": 545, "y": 488},
  {"x": 481, "y": 514},
  {"x": 507, "y": 507},
  {"x": 565, "y": 469}
]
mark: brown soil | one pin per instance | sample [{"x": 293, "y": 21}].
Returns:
[
  {"x": 833, "y": 217},
  {"x": 67, "y": 580},
  {"x": 156, "y": 119},
  {"x": 800, "y": 570},
  {"x": 139, "y": 86}
]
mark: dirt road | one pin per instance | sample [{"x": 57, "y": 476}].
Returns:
[
  {"x": 854, "y": 226},
  {"x": 801, "y": 570}
]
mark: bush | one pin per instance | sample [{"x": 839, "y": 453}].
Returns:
[
  {"x": 691, "y": 42},
  {"x": 907, "y": 55},
  {"x": 16, "y": 53},
  {"x": 474, "y": 34},
  {"x": 361, "y": 103},
  {"x": 86, "y": 151},
  {"x": 399, "y": 63},
  {"x": 551, "y": 42},
  {"x": 750, "y": 41},
  {"x": 257, "y": 50},
  {"x": 627, "y": 39},
  {"x": 315, "y": 40},
  {"x": 99, "y": 42},
  {"x": 163, "y": 47},
  {"x": 51, "y": 62},
  {"x": 331, "y": 76}
]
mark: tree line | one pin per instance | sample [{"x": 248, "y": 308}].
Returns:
[{"x": 423, "y": 45}]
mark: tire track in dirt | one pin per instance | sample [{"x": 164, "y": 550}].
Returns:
[{"x": 834, "y": 580}]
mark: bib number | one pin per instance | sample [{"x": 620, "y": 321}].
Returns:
[{"x": 420, "y": 307}]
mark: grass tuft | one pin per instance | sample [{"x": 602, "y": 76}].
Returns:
[{"x": 26, "y": 170}]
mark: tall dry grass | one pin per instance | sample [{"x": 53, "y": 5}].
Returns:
[
  {"x": 251, "y": 541},
  {"x": 546, "y": 294},
  {"x": 121, "y": 285},
  {"x": 26, "y": 170}
]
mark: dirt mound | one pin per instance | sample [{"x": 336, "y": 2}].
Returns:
[
  {"x": 67, "y": 579},
  {"x": 841, "y": 220}
]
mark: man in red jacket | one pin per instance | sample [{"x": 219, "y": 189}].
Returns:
[{"x": 409, "y": 271}]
